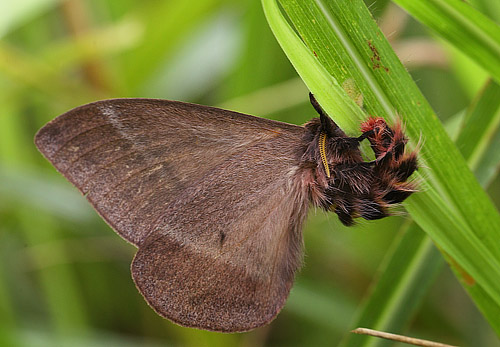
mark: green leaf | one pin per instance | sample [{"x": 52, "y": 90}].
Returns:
[
  {"x": 463, "y": 26},
  {"x": 164, "y": 27},
  {"x": 407, "y": 274},
  {"x": 479, "y": 139},
  {"x": 344, "y": 45},
  {"x": 410, "y": 269},
  {"x": 14, "y": 13}
]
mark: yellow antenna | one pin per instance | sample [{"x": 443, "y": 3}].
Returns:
[{"x": 322, "y": 152}]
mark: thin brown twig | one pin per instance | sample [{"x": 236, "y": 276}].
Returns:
[{"x": 399, "y": 338}]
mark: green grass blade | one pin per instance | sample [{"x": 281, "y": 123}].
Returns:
[
  {"x": 406, "y": 277},
  {"x": 8, "y": 333},
  {"x": 62, "y": 297},
  {"x": 411, "y": 268},
  {"x": 344, "y": 44},
  {"x": 13, "y": 14},
  {"x": 483, "y": 122},
  {"x": 164, "y": 29},
  {"x": 462, "y": 25},
  {"x": 318, "y": 78}
]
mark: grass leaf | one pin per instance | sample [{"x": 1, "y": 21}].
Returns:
[
  {"x": 410, "y": 269},
  {"x": 341, "y": 44},
  {"x": 463, "y": 26}
]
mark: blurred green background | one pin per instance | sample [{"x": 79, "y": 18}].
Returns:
[{"x": 64, "y": 274}]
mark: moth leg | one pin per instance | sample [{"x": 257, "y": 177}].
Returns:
[
  {"x": 367, "y": 189},
  {"x": 345, "y": 211},
  {"x": 364, "y": 135},
  {"x": 368, "y": 207},
  {"x": 373, "y": 208},
  {"x": 389, "y": 145},
  {"x": 392, "y": 166}
]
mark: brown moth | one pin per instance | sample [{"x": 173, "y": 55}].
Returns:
[{"x": 215, "y": 200}]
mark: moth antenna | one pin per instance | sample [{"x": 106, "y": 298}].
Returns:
[
  {"x": 327, "y": 124},
  {"x": 315, "y": 104},
  {"x": 322, "y": 152}
]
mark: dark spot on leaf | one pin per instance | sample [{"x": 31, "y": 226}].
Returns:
[{"x": 375, "y": 58}]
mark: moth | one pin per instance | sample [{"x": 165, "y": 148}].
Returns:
[{"x": 215, "y": 200}]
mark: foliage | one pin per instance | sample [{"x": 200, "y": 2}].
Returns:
[{"x": 64, "y": 276}]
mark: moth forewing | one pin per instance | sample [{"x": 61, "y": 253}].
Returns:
[{"x": 206, "y": 194}]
